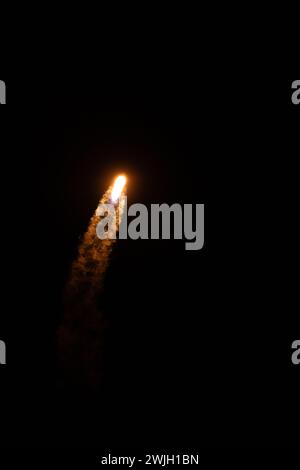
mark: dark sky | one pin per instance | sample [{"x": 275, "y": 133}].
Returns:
[{"x": 196, "y": 344}]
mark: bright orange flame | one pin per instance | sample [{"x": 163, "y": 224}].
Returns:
[{"x": 117, "y": 189}]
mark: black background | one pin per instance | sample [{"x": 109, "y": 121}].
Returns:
[{"x": 197, "y": 345}]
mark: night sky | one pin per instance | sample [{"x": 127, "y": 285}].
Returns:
[{"x": 196, "y": 345}]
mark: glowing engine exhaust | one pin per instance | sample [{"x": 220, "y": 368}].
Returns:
[{"x": 117, "y": 189}]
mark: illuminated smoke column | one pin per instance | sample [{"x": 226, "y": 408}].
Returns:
[{"x": 80, "y": 334}]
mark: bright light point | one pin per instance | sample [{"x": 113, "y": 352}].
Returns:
[{"x": 118, "y": 188}]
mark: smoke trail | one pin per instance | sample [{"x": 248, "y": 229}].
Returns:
[{"x": 80, "y": 334}]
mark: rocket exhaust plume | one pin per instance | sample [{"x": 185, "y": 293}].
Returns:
[
  {"x": 118, "y": 188},
  {"x": 80, "y": 334}
]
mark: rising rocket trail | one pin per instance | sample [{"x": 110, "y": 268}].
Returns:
[{"x": 80, "y": 334}]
